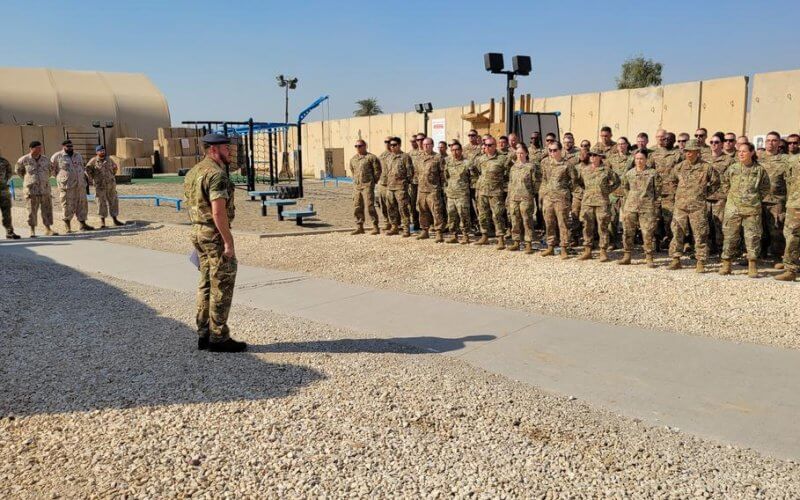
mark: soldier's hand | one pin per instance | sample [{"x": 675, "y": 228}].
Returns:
[{"x": 229, "y": 252}]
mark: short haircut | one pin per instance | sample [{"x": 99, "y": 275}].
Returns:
[
  {"x": 34, "y": 144},
  {"x": 776, "y": 134},
  {"x": 503, "y": 138},
  {"x": 623, "y": 138},
  {"x": 670, "y": 136},
  {"x": 643, "y": 134},
  {"x": 606, "y": 128},
  {"x": 683, "y": 134},
  {"x": 792, "y": 136},
  {"x": 397, "y": 140},
  {"x": 455, "y": 143},
  {"x": 731, "y": 133},
  {"x": 443, "y": 142},
  {"x": 421, "y": 134},
  {"x": 472, "y": 130},
  {"x": 550, "y": 134},
  {"x": 705, "y": 130},
  {"x": 568, "y": 134}
]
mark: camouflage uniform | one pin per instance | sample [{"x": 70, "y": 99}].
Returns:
[
  {"x": 705, "y": 153},
  {"x": 206, "y": 182},
  {"x": 572, "y": 156},
  {"x": 664, "y": 161},
  {"x": 791, "y": 228},
  {"x": 398, "y": 174},
  {"x": 71, "y": 180},
  {"x": 383, "y": 200},
  {"x": 716, "y": 200},
  {"x": 431, "y": 179},
  {"x": 642, "y": 190},
  {"x": 693, "y": 183},
  {"x": 366, "y": 170},
  {"x": 491, "y": 184},
  {"x": 459, "y": 176},
  {"x": 5, "y": 194},
  {"x": 472, "y": 152},
  {"x": 102, "y": 172},
  {"x": 772, "y": 209},
  {"x": 606, "y": 149},
  {"x": 619, "y": 163},
  {"x": 524, "y": 179},
  {"x": 412, "y": 188},
  {"x": 596, "y": 184},
  {"x": 558, "y": 181},
  {"x": 746, "y": 187},
  {"x": 35, "y": 173}
]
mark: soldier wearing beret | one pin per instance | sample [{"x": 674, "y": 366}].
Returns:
[
  {"x": 102, "y": 171},
  {"x": 71, "y": 178},
  {"x": 35, "y": 171}
]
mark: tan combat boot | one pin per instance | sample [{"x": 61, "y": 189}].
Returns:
[
  {"x": 700, "y": 266},
  {"x": 513, "y": 247},
  {"x": 501, "y": 243},
  {"x": 787, "y": 275},
  {"x": 465, "y": 238},
  {"x": 392, "y": 231},
  {"x": 452, "y": 239},
  {"x": 626, "y": 259},
  {"x": 68, "y": 225},
  {"x": 752, "y": 269},
  {"x": 564, "y": 255},
  {"x": 387, "y": 226},
  {"x": 484, "y": 240},
  {"x": 779, "y": 265},
  {"x": 549, "y": 251},
  {"x": 587, "y": 253},
  {"x": 406, "y": 232},
  {"x": 603, "y": 255},
  {"x": 375, "y": 230},
  {"x": 49, "y": 232},
  {"x": 439, "y": 237},
  {"x": 725, "y": 269},
  {"x": 423, "y": 235},
  {"x": 358, "y": 230},
  {"x": 528, "y": 247},
  {"x": 675, "y": 264},
  {"x": 33, "y": 231},
  {"x": 102, "y": 222},
  {"x": 648, "y": 260}
]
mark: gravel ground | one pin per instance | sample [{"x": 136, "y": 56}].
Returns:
[{"x": 105, "y": 396}]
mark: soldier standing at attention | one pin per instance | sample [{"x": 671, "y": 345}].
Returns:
[
  {"x": 101, "y": 171},
  {"x": 791, "y": 227},
  {"x": 71, "y": 180},
  {"x": 716, "y": 200},
  {"x": 597, "y": 182},
  {"x": 558, "y": 181},
  {"x": 491, "y": 198},
  {"x": 34, "y": 169},
  {"x": 366, "y": 170},
  {"x": 413, "y": 185},
  {"x": 431, "y": 179},
  {"x": 382, "y": 200},
  {"x": 459, "y": 174},
  {"x": 620, "y": 162},
  {"x": 642, "y": 188},
  {"x": 665, "y": 157},
  {"x": 700, "y": 136},
  {"x": 523, "y": 182},
  {"x": 606, "y": 144},
  {"x": 5, "y": 198},
  {"x": 398, "y": 174},
  {"x": 693, "y": 179},
  {"x": 772, "y": 211},
  {"x": 471, "y": 152},
  {"x": 209, "y": 194},
  {"x": 746, "y": 184}
]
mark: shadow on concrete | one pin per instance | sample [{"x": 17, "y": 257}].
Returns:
[
  {"x": 401, "y": 345},
  {"x": 71, "y": 343},
  {"x": 131, "y": 227}
]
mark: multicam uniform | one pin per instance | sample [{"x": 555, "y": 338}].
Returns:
[
  {"x": 459, "y": 176},
  {"x": 772, "y": 210},
  {"x": 35, "y": 173},
  {"x": 665, "y": 160},
  {"x": 382, "y": 191},
  {"x": 431, "y": 179},
  {"x": 558, "y": 181},
  {"x": 206, "y": 182},
  {"x": 5, "y": 195},
  {"x": 791, "y": 228},
  {"x": 524, "y": 179},
  {"x": 619, "y": 163},
  {"x": 642, "y": 194},
  {"x": 71, "y": 178},
  {"x": 491, "y": 197},
  {"x": 398, "y": 174},
  {"x": 102, "y": 173},
  {"x": 716, "y": 200},
  {"x": 597, "y": 184},
  {"x": 412, "y": 188},
  {"x": 745, "y": 187},
  {"x": 366, "y": 170},
  {"x": 693, "y": 183}
]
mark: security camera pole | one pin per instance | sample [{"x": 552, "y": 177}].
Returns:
[
  {"x": 424, "y": 109},
  {"x": 493, "y": 61}
]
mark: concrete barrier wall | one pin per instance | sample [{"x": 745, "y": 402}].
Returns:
[{"x": 776, "y": 103}]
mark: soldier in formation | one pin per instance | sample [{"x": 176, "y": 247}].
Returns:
[
  {"x": 366, "y": 170},
  {"x": 71, "y": 179},
  {"x": 35, "y": 169},
  {"x": 5, "y": 198},
  {"x": 102, "y": 170}
]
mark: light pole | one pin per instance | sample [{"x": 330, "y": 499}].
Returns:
[
  {"x": 103, "y": 127},
  {"x": 424, "y": 109},
  {"x": 493, "y": 61},
  {"x": 287, "y": 83}
]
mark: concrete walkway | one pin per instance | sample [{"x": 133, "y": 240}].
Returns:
[{"x": 735, "y": 393}]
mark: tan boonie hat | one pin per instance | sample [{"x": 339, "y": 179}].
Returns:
[{"x": 692, "y": 145}]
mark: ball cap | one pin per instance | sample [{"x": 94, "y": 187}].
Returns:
[
  {"x": 66, "y": 142},
  {"x": 692, "y": 145},
  {"x": 99, "y": 148},
  {"x": 215, "y": 138}
]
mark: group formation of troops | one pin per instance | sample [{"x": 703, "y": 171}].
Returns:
[
  {"x": 702, "y": 196},
  {"x": 72, "y": 178}
]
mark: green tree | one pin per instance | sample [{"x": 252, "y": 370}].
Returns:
[
  {"x": 367, "y": 107},
  {"x": 639, "y": 72}
]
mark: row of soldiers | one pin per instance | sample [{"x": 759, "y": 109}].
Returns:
[
  {"x": 683, "y": 190},
  {"x": 72, "y": 177}
]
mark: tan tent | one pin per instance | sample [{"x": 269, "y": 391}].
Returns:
[{"x": 77, "y": 98}]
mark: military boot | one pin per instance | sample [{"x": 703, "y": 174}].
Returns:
[
  {"x": 358, "y": 230},
  {"x": 33, "y": 231},
  {"x": 779, "y": 265},
  {"x": 603, "y": 255},
  {"x": 465, "y": 238},
  {"x": 375, "y": 230},
  {"x": 453, "y": 238},
  {"x": 68, "y": 226},
  {"x": 752, "y": 269},
  {"x": 787, "y": 275},
  {"x": 102, "y": 222},
  {"x": 85, "y": 226},
  {"x": 551, "y": 250},
  {"x": 626, "y": 259},
  {"x": 406, "y": 232},
  {"x": 392, "y": 231},
  {"x": 648, "y": 260},
  {"x": 513, "y": 247},
  {"x": 675, "y": 264},
  {"x": 439, "y": 237},
  {"x": 564, "y": 255},
  {"x": 587, "y": 253},
  {"x": 528, "y": 247},
  {"x": 117, "y": 222},
  {"x": 387, "y": 226},
  {"x": 228, "y": 345},
  {"x": 11, "y": 235},
  {"x": 700, "y": 266},
  {"x": 202, "y": 342},
  {"x": 483, "y": 240},
  {"x": 423, "y": 235},
  {"x": 725, "y": 269},
  {"x": 49, "y": 232},
  {"x": 501, "y": 243}
]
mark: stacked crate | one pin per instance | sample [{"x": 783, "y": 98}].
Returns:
[{"x": 178, "y": 148}]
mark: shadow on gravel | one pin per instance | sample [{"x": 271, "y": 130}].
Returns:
[
  {"x": 132, "y": 227},
  {"x": 400, "y": 345},
  {"x": 71, "y": 343}
]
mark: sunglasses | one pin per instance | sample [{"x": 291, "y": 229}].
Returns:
[
  {"x": 791, "y": 143},
  {"x": 715, "y": 142},
  {"x": 549, "y": 140},
  {"x": 472, "y": 135},
  {"x": 489, "y": 144},
  {"x": 553, "y": 150},
  {"x": 699, "y": 135},
  {"x": 360, "y": 145},
  {"x": 734, "y": 140},
  {"x": 393, "y": 144},
  {"x": 682, "y": 140}
]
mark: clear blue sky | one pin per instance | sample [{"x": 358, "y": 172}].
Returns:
[{"x": 218, "y": 60}]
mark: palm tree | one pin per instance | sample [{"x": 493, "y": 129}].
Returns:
[{"x": 367, "y": 107}]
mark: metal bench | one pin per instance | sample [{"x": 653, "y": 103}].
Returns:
[
  {"x": 336, "y": 180},
  {"x": 155, "y": 197},
  {"x": 261, "y": 194},
  {"x": 276, "y": 203},
  {"x": 299, "y": 215}
]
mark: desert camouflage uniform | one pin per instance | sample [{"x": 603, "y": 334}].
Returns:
[
  {"x": 472, "y": 152},
  {"x": 5, "y": 194},
  {"x": 431, "y": 180},
  {"x": 716, "y": 201},
  {"x": 412, "y": 188},
  {"x": 596, "y": 185},
  {"x": 206, "y": 182},
  {"x": 398, "y": 174},
  {"x": 524, "y": 179},
  {"x": 772, "y": 209},
  {"x": 459, "y": 176},
  {"x": 382, "y": 191},
  {"x": 558, "y": 181},
  {"x": 491, "y": 185},
  {"x": 102, "y": 172},
  {"x": 35, "y": 173},
  {"x": 705, "y": 153},
  {"x": 693, "y": 183},
  {"x": 366, "y": 170},
  {"x": 665, "y": 160},
  {"x": 619, "y": 163},
  {"x": 606, "y": 149},
  {"x": 745, "y": 187},
  {"x": 642, "y": 190},
  {"x": 791, "y": 228},
  {"x": 71, "y": 178}
]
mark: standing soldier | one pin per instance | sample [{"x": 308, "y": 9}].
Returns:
[
  {"x": 71, "y": 180},
  {"x": 491, "y": 185},
  {"x": 700, "y": 136},
  {"x": 597, "y": 182},
  {"x": 209, "y": 193},
  {"x": 558, "y": 180},
  {"x": 573, "y": 155},
  {"x": 459, "y": 174},
  {"x": 366, "y": 170},
  {"x": 746, "y": 184},
  {"x": 101, "y": 171},
  {"x": 606, "y": 144},
  {"x": 398, "y": 174},
  {"x": 6, "y": 172},
  {"x": 642, "y": 188},
  {"x": 729, "y": 145},
  {"x": 772, "y": 210},
  {"x": 523, "y": 182},
  {"x": 413, "y": 185},
  {"x": 693, "y": 179},
  {"x": 620, "y": 162},
  {"x": 382, "y": 194},
  {"x": 34, "y": 168},
  {"x": 471, "y": 152},
  {"x": 716, "y": 200},
  {"x": 791, "y": 227},
  {"x": 430, "y": 177},
  {"x": 665, "y": 157}
]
